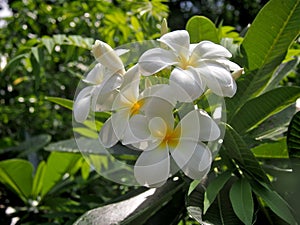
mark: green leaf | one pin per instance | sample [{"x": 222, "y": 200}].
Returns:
[
  {"x": 241, "y": 199},
  {"x": 49, "y": 44},
  {"x": 70, "y": 53},
  {"x": 271, "y": 102},
  {"x": 214, "y": 188},
  {"x": 77, "y": 41},
  {"x": 59, "y": 39},
  {"x": 16, "y": 174},
  {"x": 86, "y": 132},
  {"x": 69, "y": 145},
  {"x": 201, "y": 28},
  {"x": 272, "y": 150},
  {"x": 265, "y": 48},
  {"x": 229, "y": 32},
  {"x": 33, "y": 144},
  {"x": 278, "y": 205},
  {"x": 293, "y": 138},
  {"x": 135, "y": 210},
  {"x": 58, "y": 164},
  {"x": 282, "y": 71},
  {"x": 61, "y": 101},
  {"x": 273, "y": 127},
  {"x": 35, "y": 52},
  {"x": 235, "y": 148},
  {"x": 220, "y": 211},
  {"x": 193, "y": 185},
  {"x": 38, "y": 180},
  {"x": 89, "y": 146},
  {"x": 12, "y": 64},
  {"x": 85, "y": 169},
  {"x": 93, "y": 125}
]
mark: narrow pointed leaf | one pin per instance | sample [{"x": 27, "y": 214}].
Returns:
[
  {"x": 282, "y": 71},
  {"x": 236, "y": 149},
  {"x": 86, "y": 132},
  {"x": 193, "y": 185},
  {"x": 214, "y": 188},
  {"x": 38, "y": 179},
  {"x": 264, "y": 48},
  {"x": 260, "y": 108},
  {"x": 241, "y": 199},
  {"x": 273, "y": 127},
  {"x": 266, "y": 53},
  {"x": 293, "y": 139},
  {"x": 62, "y": 102},
  {"x": 276, "y": 203},
  {"x": 35, "y": 52}
]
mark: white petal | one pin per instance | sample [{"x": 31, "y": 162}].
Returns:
[
  {"x": 155, "y": 60},
  {"x": 81, "y": 107},
  {"x": 190, "y": 83},
  {"x": 128, "y": 94},
  {"x": 161, "y": 91},
  {"x": 137, "y": 130},
  {"x": 231, "y": 66},
  {"x": 152, "y": 168},
  {"x": 209, "y": 130},
  {"x": 209, "y": 50},
  {"x": 96, "y": 75},
  {"x": 199, "y": 164},
  {"x": 178, "y": 41},
  {"x": 101, "y": 103},
  {"x": 217, "y": 78},
  {"x": 133, "y": 74},
  {"x": 138, "y": 134},
  {"x": 158, "y": 127},
  {"x": 107, "y": 135},
  {"x": 121, "y": 51},
  {"x": 198, "y": 125},
  {"x": 183, "y": 152},
  {"x": 158, "y": 107},
  {"x": 107, "y": 57},
  {"x": 111, "y": 84},
  {"x": 103, "y": 92},
  {"x": 120, "y": 122}
]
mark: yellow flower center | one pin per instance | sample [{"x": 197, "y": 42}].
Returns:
[
  {"x": 171, "y": 138},
  {"x": 135, "y": 109},
  {"x": 184, "y": 62}
]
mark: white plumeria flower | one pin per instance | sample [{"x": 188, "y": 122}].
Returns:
[
  {"x": 129, "y": 102},
  {"x": 104, "y": 78},
  {"x": 157, "y": 137},
  {"x": 196, "y": 65}
]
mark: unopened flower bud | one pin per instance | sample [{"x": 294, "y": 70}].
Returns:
[
  {"x": 237, "y": 74},
  {"x": 164, "y": 27},
  {"x": 105, "y": 55}
]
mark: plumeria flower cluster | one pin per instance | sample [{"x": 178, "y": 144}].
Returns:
[{"x": 143, "y": 113}]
